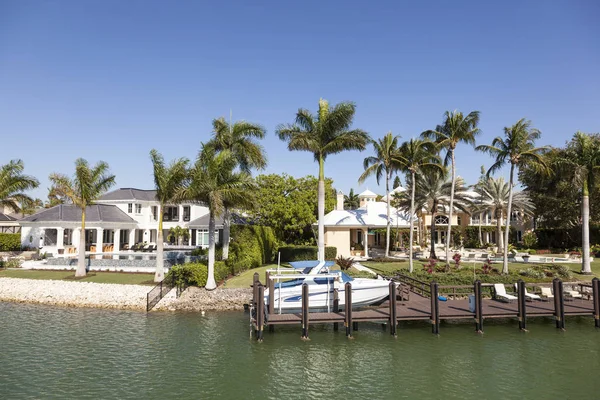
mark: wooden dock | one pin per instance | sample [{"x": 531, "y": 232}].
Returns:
[{"x": 424, "y": 304}]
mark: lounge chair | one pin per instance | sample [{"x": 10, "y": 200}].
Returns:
[
  {"x": 546, "y": 293},
  {"x": 501, "y": 294},
  {"x": 528, "y": 296},
  {"x": 471, "y": 256},
  {"x": 572, "y": 295},
  {"x": 125, "y": 246}
]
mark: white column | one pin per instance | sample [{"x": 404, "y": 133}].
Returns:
[
  {"x": 99, "y": 238},
  {"x": 190, "y": 237},
  {"x": 117, "y": 240},
  {"x": 131, "y": 237},
  {"x": 60, "y": 235},
  {"x": 146, "y": 236},
  {"x": 75, "y": 237},
  {"x": 366, "y": 241}
]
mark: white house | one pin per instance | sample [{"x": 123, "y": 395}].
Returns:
[{"x": 117, "y": 221}]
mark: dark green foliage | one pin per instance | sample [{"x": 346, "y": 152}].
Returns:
[
  {"x": 542, "y": 272},
  {"x": 199, "y": 252},
  {"x": 565, "y": 238},
  {"x": 191, "y": 274},
  {"x": 303, "y": 253},
  {"x": 360, "y": 274},
  {"x": 344, "y": 263},
  {"x": 471, "y": 235},
  {"x": 251, "y": 246},
  {"x": 10, "y": 241},
  {"x": 389, "y": 260}
]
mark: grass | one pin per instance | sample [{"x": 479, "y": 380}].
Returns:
[
  {"x": 244, "y": 280},
  {"x": 96, "y": 277}
]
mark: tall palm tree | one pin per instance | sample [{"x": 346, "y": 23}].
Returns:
[
  {"x": 583, "y": 163},
  {"x": 351, "y": 200},
  {"x": 417, "y": 156},
  {"x": 495, "y": 195},
  {"x": 214, "y": 182},
  {"x": 384, "y": 162},
  {"x": 86, "y": 186},
  {"x": 239, "y": 139},
  {"x": 517, "y": 149},
  {"x": 328, "y": 132},
  {"x": 168, "y": 181},
  {"x": 13, "y": 183},
  {"x": 455, "y": 129},
  {"x": 433, "y": 192}
]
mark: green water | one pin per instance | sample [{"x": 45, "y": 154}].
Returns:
[{"x": 61, "y": 353}]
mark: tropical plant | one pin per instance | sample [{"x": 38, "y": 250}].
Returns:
[
  {"x": 351, "y": 200},
  {"x": 86, "y": 186},
  {"x": 397, "y": 182},
  {"x": 213, "y": 182},
  {"x": 13, "y": 183},
  {"x": 168, "y": 181},
  {"x": 529, "y": 240},
  {"x": 326, "y": 133},
  {"x": 517, "y": 148},
  {"x": 386, "y": 162},
  {"x": 178, "y": 234},
  {"x": 239, "y": 139},
  {"x": 455, "y": 129},
  {"x": 417, "y": 157},
  {"x": 29, "y": 207}
]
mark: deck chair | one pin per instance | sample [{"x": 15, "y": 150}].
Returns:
[
  {"x": 501, "y": 294},
  {"x": 528, "y": 296},
  {"x": 572, "y": 294},
  {"x": 471, "y": 256},
  {"x": 546, "y": 293}
]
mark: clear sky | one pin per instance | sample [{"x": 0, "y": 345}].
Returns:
[{"x": 109, "y": 80}]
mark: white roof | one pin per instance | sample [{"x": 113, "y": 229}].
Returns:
[
  {"x": 374, "y": 215},
  {"x": 367, "y": 193},
  {"x": 399, "y": 189}
]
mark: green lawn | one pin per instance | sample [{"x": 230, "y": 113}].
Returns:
[
  {"x": 97, "y": 277},
  {"x": 244, "y": 280}
]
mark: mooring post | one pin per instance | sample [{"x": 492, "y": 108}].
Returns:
[
  {"x": 596, "y": 298},
  {"x": 255, "y": 284},
  {"x": 393, "y": 302},
  {"x": 336, "y": 306},
  {"x": 522, "y": 305},
  {"x": 435, "y": 312},
  {"x": 271, "y": 283},
  {"x": 260, "y": 313},
  {"x": 478, "y": 307},
  {"x": 559, "y": 305},
  {"x": 348, "y": 309},
  {"x": 304, "y": 311}
]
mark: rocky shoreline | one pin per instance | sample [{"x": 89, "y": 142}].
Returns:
[{"x": 115, "y": 296}]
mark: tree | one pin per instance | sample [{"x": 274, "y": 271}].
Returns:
[
  {"x": 214, "y": 182},
  {"x": 433, "y": 192},
  {"x": 13, "y": 184},
  {"x": 29, "y": 207},
  {"x": 86, "y": 186},
  {"x": 517, "y": 149},
  {"x": 351, "y": 200},
  {"x": 417, "y": 157},
  {"x": 455, "y": 129},
  {"x": 384, "y": 162},
  {"x": 239, "y": 139},
  {"x": 583, "y": 162},
  {"x": 55, "y": 197},
  {"x": 168, "y": 181},
  {"x": 328, "y": 132},
  {"x": 178, "y": 234},
  {"x": 397, "y": 182}
]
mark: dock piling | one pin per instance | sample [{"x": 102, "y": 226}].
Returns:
[
  {"x": 559, "y": 303},
  {"x": 596, "y": 298},
  {"x": 478, "y": 307},
  {"x": 305, "y": 311},
  {"x": 348, "y": 309},
  {"x": 260, "y": 313},
  {"x": 393, "y": 302},
  {"x": 271, "y": 286},
  {"x": 435, "y": 311},
  {"x": 522, "y": 305},
  {"x": 336, "y": 306}
]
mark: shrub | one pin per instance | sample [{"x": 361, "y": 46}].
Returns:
[
  {"x": 303, "y": 253},
  {"x": 532, "y": 273},
  {"x": 563, "y": 271},
  {"x": 221, "y": 271},
  {"x": 190, "y": 274},
  {"x": 389, "y": 260},
  {"x": 199, "y": 252},
  {"x": 251, "y": 246},
  {"x": 529, "y": 240},
  {"x": 532, "y": 252},
  {"x": 344, "y": 263},
  {"x": 10, "y": 241},
  {"x": 13, "y": 263}
]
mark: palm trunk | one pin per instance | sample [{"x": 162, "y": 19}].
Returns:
[
  {"x": 507, "y": 228},
  {"x": 480, "y": 234},
  {"x": 585, "y": 230},
  {"x": 433, "y": 214},
  {"x": 449, "y": 231},
  {"x": 210, "y": 281},
  {"x": 387, "y": 233},
  {"x": 499, "y": 230},
  {"x": 226, "y": 232},
  {"x": 410, "y": 234},
  {"x": 159, "y": 275},
  {"x": 321, "y": 212},
  {"x": 81, "y": 256}
]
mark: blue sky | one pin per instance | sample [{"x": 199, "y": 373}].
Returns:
[{"x": 109, "y": 80}]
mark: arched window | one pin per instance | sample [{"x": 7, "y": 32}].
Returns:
[{"x": 441, "y": 220}]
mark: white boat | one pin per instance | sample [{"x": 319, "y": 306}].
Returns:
[{"x": 287, "y": 293}]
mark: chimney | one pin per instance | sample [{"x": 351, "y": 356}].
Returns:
[{"x": 340, "y": 201}]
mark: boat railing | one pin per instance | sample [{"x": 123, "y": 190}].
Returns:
[{"x": 278, "y": 276}]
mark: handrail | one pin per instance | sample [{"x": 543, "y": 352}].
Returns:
[{"x": 155, "y": 295}]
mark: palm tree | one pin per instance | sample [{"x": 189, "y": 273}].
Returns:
[
  {"x": 239, "y": 139},
  {"x": 495, "y": 195},
  {"x": 433, "y": 192},
  {"x": 417, "y": 156},
  {"x": 29, "y": 207},
  {"x": 351, "y": 200},
  {"x": 177, "y": 234},
  {"x": 386, "y": 161},
  {"x": 168, "y": 180},
  {"x": 328, "y": 132},
  {"x": 455, "y": 129},
  {"x": 583, "y": 162},
  {"x": 517, "y": 149},
  {"x": 13, "y": 183},
  {"x": 87, "y": 185},
  {"x": 214, "y": 182}
]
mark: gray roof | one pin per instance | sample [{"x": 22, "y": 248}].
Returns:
[
  {"x": 5, "y": 217},
  {"x": 202, "y": 222},
  {"x": 71, "y": 213},
  {"x": 130, "y": 194}
]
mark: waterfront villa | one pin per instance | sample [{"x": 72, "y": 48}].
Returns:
[{"x": 117, "y": 221}]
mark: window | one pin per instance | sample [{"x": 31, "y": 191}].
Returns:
[
  {"x": 186, "y": 213},
  {"x": 155, "y": 212},
  {"x": 441, "y": 219},
  {"x": 458, "y": 220},
  {"x": 171, "y": 214},
  {"x": 138, "y": 208},
  {"x": 129, "y": 208}
]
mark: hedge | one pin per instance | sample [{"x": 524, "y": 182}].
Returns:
[
  {"x": 10, "y": 241},
  {"x": 564, "y": 238},
  {"x": 302, "y": 253},
  {"x": 251, "y": 246},
  {"x": 196, "y": 274}
]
